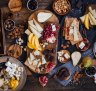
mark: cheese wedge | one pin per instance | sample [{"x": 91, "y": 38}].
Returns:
[
  {"x": 35, "y": 32},
  {"x": 92, "y": 18},
  {"x": 76, "y": 56},
  {"x": 43, "y": 16},
  {"x": 39, "y": 28},
  {"x": 32, "y": 24}
]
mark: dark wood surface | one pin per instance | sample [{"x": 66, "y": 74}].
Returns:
[{"x": 32, "y": 84}]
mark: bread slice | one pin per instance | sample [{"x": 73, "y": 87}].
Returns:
[
  {"x": 43, "y": 16},
  {"x": 76, "y": 56}
]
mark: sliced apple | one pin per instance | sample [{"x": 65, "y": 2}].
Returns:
[
  {"x": 86, "y": 21},
  {"x": 39, "y": 28},
  {"x": 30, "y": 37},
  {"x": 35, "y": 32}
]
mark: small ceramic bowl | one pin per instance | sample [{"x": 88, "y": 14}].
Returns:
[
  {"x": 59, "y": 11},
  {"x": 87, "y": 45},
  {"x": 90, "y": 71},
  {"x": 32, "y": 5},
  {"x": 9, "y": 24}
]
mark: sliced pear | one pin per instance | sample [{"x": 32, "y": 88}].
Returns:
[
  {"x": 32, "y": 24},
  {"x": 30, "y": 37},
  {"x": 86, "y": 21},
  {"x": 43, "y": 16},
  {"x": 76, "y": 56},
  {"x": 39, "y": 28},
  {"x": 35, "y": 32}
]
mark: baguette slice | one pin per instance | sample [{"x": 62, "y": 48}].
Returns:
[
  {"x": 76, "y": 56},
  {"x": 35, "y": 32},
  {"x": 43, "y": 16},
  {"x": 39, "y": 28}
]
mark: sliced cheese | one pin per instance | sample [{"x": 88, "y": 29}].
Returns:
[
  {"x": 76, "y": 56},
  {"x": 39, "y": 28},
  {"x": 35, "y": 32},
  {"x": 27, "y": 32},
  {"x": 32, "y": 24},
  {"x": 43, "y": 16}
]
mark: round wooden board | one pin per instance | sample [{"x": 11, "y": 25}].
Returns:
[{"x": 53, "y": 19}]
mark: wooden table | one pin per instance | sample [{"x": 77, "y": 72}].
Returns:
[{"x": 32, "y": 84}]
